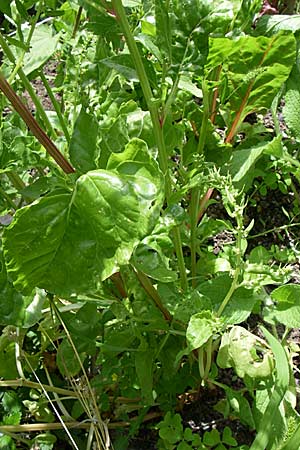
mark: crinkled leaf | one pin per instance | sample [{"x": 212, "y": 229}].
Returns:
[
  {"x": 253, "y": 70},
  {"x": 291, "y": 109},
  {"x": 201, "y": 327},
  {"x": 83, "y": 142},
  {"x": 70, "y": 242},
  {"x": 238, "y": 350}
]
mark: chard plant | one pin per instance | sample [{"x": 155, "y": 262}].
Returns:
[{"x": 113, "y": 302}]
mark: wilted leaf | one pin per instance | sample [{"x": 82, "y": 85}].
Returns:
[{"x": 238, "y": 350}]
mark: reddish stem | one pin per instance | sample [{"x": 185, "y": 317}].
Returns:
[{"x": 34, "y": 127}]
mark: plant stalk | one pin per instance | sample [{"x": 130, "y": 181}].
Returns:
[
  {"x": 152, "y": 292},
  {"x": 8, "y": 199},
  {"x": 157, "y": 126},
  {"x": 34, "y": 126},
  {"x": 195, "y": 195},
  {"x": 28, "y": 87},
  {"x": 56, "y": 106}
]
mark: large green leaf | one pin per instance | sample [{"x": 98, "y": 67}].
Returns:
[
  {"x": 286, "y": 310},
  {"x": 253, "y": 70},
  {"x": 69, "y": 242}
]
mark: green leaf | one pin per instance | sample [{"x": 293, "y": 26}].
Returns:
[
  {"x": 45, "y": 441},
  {"x": 42, "y": 46},
  {"x": 184, "y": 446},
  {"x": 67, "y": 362},
  {"x": 291, "y": 109},
  {"x": 238, "y": 350},
  {"x": 240, "y": 407},
  {"x": 84, "y": 327},
  {"x": 267, "y": 427},
  {"x": 83, "y": 142},
  {"x": 163, "y": 28},
  {"x": 15, "y": 309},
  {"x": 8, "y": 368},
  {"x": 188, "y": 305},
  {"x": 122, "y": 64},
  {"x": 227, "y": 437},
  {"x": 241, "y": 303},
  {"x": 144, "y": 370},
  {"x": 100, "y": 23},
  {"x": 201, "y": 327},
  {"x": 76, "y": 240},
  {"x": 151, "y": 261},
  {"x": 269, "y": 25},
  {"x": 243, "y": 161},
  {"x": 5, "y": 7},
  {"x": 171, "y": 429},
  {"x": 211, "y": 438},
  {"x": 253, "y": 71},
  {"x": 287, "y": 307}
]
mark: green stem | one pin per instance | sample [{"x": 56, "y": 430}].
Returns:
[
  {"x": 8, "y": 199},
  {"x": 18, "y": 349},
  {"x": 195, "y": 196},
  {"x": 157, "y": 126},
  {"x": 33, "y": 385},
  {"x": 208, "y": 348},
  {"x": 237, "y": 272},
  {"x": 77, "y": 22},
  {"x": 201, "y": 362},
  {"x": 195, "y": 199},
  {"x": 16, "y": 181},
  {"x": 56, "y": 106},
  {"x": 28, "y": 87},
  {"x": 19, "y": 63}
]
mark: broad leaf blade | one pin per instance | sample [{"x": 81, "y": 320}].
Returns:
[
  {"x": 253, "y": 70},
  {"x": 69, "y": 243}
]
